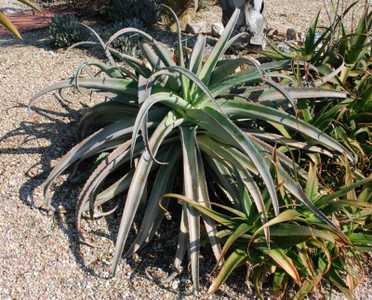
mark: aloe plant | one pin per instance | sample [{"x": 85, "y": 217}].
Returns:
[
  {"x": 304, "y": 255},
  {"x": 337, "y": 59},
  {"x": 196, "y": 113},
  {"x": 4, "y": 20}
]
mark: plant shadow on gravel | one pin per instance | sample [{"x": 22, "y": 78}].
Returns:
[{"x": 58, "y": 134}]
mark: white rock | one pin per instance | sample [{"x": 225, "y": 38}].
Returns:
[
  {"x": 217, "y": 29},
  {"x": 284, "y": 47},
  {"x": 175, "y": 284}
]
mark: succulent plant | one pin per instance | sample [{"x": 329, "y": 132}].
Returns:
[
  {"x": 335, "y": 57},
  {"x": 304, "y": 255},
  {"x": 196, "y": 126},
  {"x": 65, "y": 30},
  {"x": 127, "y": 44}
]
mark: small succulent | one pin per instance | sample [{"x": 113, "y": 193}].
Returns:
[
  {"x": 127, "y": 44},
  {"x": 65, "y": 31},
  {"x": 303, "y": 253}
]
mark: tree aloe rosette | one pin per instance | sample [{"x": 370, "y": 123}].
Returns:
[{"x": 196, "y": 112}]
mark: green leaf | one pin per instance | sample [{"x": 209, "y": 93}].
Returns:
[
  {"x": 242, "y": 229},
  {"x": 256, "y": 111},
  {"x": 295, "y": 189},
  {"x": 166, "y": 98},
  {"x": 287, "y": 230},
  {"x": 285, "y": 262},
  {"x": 361, "y": 239},
  {"x": 223, "y": 128},
  {"x": 312, "y": 184},
  {"x": 342, "y": 191},
  {"x": 190, "y": 177},
  {"x": 270, "y": 95},
  {"x": 113, "y": 85},
  {"x": 234, "y": 260},
  {"x": 221, "y": 218},
  {"x": 88, "y": 147},
  {"x": 138, "y": 185},
  {"x": 310, "y": 42},
  {"x": 87, "y": 195},
  {"x": 197, "y": 55},
  {"x": 203, "y": 198},
  {"x": 163, "y": 181},
  {"x": 219, "y": 48},
  {"x": 183, "y": 237},
  {"x": 111, "y": 192},
  {"x": 285, "y": 216}
]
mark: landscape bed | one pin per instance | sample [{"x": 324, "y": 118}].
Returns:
[{"x": 21, "y": 200}]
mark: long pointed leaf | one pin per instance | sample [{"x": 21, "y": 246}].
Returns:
[
  {"x": 190, "y": 175},
  {"x": 138, "y": 185},
  {"x": 256, "y": 111},
  {"x": 223, "y": 128}
]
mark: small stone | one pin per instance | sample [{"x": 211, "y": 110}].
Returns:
[
  {"x": 194, "y": 28},
  {"x": 175, "y": 284},
  {"x": 291, "y": 34},
  {"x": 217, "y": 29},
  {"x": 283, "y": 47},
  {"x": 258, "y": 41}
]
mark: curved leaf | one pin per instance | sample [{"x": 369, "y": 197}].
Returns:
[
  {"x": 138, "y": 183},
  {"x": 256, "y": 111},
  {"x": 224, "y": 129}
]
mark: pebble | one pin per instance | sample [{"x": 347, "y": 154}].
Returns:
[
  {"x": 217, "y": 29},
  {"x": 291, "y": 34}
]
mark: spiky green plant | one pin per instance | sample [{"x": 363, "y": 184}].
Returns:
[
  {"x": 194, "y": 112},
  {"x": 129, "y": 44},
  {"x": 338, "y": 59},
  {"x": 304, "y": 255},
  {"x": 65, "y": 30}
]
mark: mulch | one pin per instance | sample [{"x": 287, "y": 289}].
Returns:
[{"x": 29, "y": 20}]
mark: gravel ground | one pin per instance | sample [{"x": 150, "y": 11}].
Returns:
[
  {"x": 39, "y": 254},
  {"x": 296, "y": 14}
]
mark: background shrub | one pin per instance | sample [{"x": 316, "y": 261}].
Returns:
[
  {"x": 65, "y": 31},
  {"x": 147, "y": 11}
]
